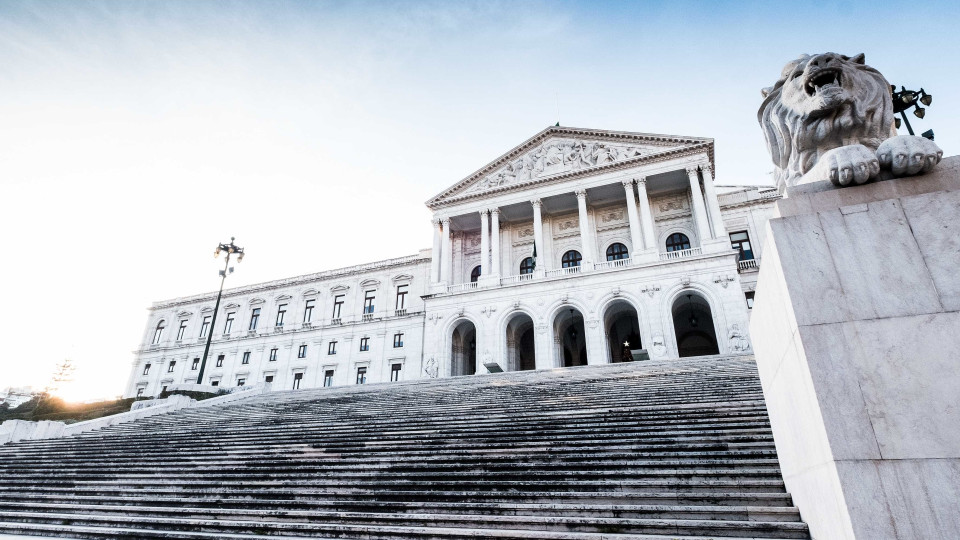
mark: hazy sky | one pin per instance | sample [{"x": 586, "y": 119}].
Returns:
[{"x": 135, "y": 136}]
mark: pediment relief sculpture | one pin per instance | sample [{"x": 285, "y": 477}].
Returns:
[
  {"x": 256, "y": 301},
  {"x": 311, "y": 292},
  {"x": 400, "y": 278},
  {"x": 339, "y": 288},
  {"x": 370, "y": 283}
]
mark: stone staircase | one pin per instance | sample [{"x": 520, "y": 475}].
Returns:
[{"x": 648, "y": 450}]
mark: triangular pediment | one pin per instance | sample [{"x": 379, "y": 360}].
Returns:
[{"x": 562, "y": 152}]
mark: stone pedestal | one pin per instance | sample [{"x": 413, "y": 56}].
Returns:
[{"x": 856, "y": 329}]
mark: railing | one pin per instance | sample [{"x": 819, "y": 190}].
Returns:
[
  {"x": 367, "y": 317},
  {"x": 278, "y": 329},
  {"x": 306, "y": 324},
  {"x": 400, "y": 312},
  {"x": 613, "y": 264},
  {"x": 336, "y": 321},
  {"x": 749, "y": 264},
  {"x": 680, "y": 254},
  {"x": 510, "y": 280},
  {"x": 563, "y": 271},
  {"x": 461, "y": 287}
]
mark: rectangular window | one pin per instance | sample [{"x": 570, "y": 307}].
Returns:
[
  {"x": 395, "y": 372},
  {"x": 214, "y": 383},
  {"x": 281, "y": 313},
  {"x": 173, "y": 363},
  {"x": 146, "y": 369},
  {"x": 308, "y": 311},
  {"x": 181, "y": 330},
  {"x": 361, "y": 375},
  {"x": 749, "y": 296},
  {"x": 302, "y": 352},
  {"x": 205, "y": 327},
  {"x": 297, "y": 377},
  {"x": 241, "y": 381},
  {"x": 401, "y": 297},
  {"x": 337, "y": 305},
  {"x": 140, "y": 392},
  {"x": 364, "y": 344},
  {"x": 246, "y": 358},
  {"x": 158, "y": 333},
  {"x": 273, "y": 355},
  {"x": 164, "y": 389},
  {"x": 254, "y": 318},
  {"x": 368, "y": 299},
  {"x": 219, "y": 360},
  {"x": 332, "y": 347},
  {"x": 196, "y": 364},
  {"x": 268, "y": 378},
  {"x": 228, "y": 326},
  {"x": 328, "y": 377},
  {"x": 741, "y": 242},
  {"x": 398, "y": 340}
]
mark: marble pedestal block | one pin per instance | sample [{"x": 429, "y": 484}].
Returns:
[{"x": 856, "y": 330}]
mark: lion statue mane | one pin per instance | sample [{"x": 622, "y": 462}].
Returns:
[{"x": 830, "y": 117}]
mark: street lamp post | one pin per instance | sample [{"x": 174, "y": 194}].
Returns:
[
  {"x": 904, "y": 99},
  {"x": 230, "y": 248}
]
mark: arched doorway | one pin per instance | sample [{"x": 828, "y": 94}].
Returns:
[
  {"x": 463, "y": 354},
  {"x": 521, "y": 355},
  {"x": 621, "y": 325},
  {"x": 570, "y": 338},
  {"x": 693, "y": 325}
]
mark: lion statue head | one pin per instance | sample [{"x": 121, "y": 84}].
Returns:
[{"x": 819, "y": 103}]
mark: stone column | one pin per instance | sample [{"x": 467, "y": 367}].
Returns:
[
  {"x": 485, "y": 243},
  {"x": 495, "y": 262},
  {"x": 437, "y": 249},
  {"x": 713, "y": 205},
  {"x": 646, "y": 216},
  {"x": 446, "y": 255},
  {"x": 586, "y": 244},
  {"x": 635, "y": 238},
  {"x": 699, "y": 211},
  {"x": 538, "y": 235}
]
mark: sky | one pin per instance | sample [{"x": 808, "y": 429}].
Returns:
[{"x": 135, "y": 136}]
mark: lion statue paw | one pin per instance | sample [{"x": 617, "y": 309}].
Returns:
[
  {"x": 906, "y": 155},
  {"x": 854, "y": 164}
]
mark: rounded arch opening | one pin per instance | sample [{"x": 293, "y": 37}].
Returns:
[
  {"x": 677, "y": 242},
  {"x": 570, "y": 338},
  {"x": 617, "y": 251},
  {"x": 463, "y": 345},
  {"x": 520, "y": 337},
  {"x": 621, "y": 325},
  {"x": 693, "y": 325}
]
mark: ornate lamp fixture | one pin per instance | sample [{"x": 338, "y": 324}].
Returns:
[
  {"x": 230, "y": 249},
  {"x": 904, "y": 99}
]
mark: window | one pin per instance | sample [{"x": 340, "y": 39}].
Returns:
[
  {"x": 164, "y": 389},
  {"x": 273, "y": 355},
  {"x": 361, "y": 375},
  {"x": 677, "y": 242},
  {"x": 215, "y": 383},
  {"x": 571, "y": 259},
  {"x": 364, "y": 344},
  {"x": 181, "y": 330},
  {"x": 173, "y": 363},
  {"x": 308, "y": 311},
  {"x": 368, "y": 299},
  {"x": 146, "y": 369},
  {"x": 205, "y": 327},
  {"x": 219, "y": 360},
  {"x": 332, "y": 347},
  {"x": 140, "y": 391},
  {"x": 241, "y": 381},
  {"x": 158, "y": 333},
  {"x": 402, "y": 296},
  {"x": 328, "y": 377},
  {"x": 297, "y": 377},
  {"x": 228, "y": 326},
  {"x": 741, "y": 242},
  {"x": 196, "y": 364},
  {"x": 475, "y": 274},
  {"x": 337, "y": 305},
  {"x": 526, "y": 266},
  {"x": 749, "y": 295},
  {"x": 268, "y": 378},
  {"x": 254, "y": 318},
  {"x": 246, "y": 357},
  {"x": 281, "y": 313},
  {"x": 395, "y": 372},
  {"x": 302, "y": 351},
  {"x": 616, "y": 252},
  {"x": 398, "y": 340}
]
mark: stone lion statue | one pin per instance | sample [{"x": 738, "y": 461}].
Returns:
[{"x": 830, "y": 117}]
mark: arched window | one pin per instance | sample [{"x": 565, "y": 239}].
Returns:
[
  {"x": 571, "y": 259},
  {"x": 475, "y": 274},
  {"x": 678, "y": 241},
  {"x": 616, "y": 252},
  {"x": 158, "y": 333},
  {"x": 526, "y": 266}
]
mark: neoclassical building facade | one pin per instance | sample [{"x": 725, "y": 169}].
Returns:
[{"x": 576, "y": 247}]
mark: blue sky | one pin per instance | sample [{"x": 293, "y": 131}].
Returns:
[{"x": 137, "y": 135}]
